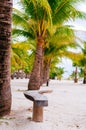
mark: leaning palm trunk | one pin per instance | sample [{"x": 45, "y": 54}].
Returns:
[
  {"x": 84, "y": 81},
  {"x": 5, "y": 46},
  {"x": 35, "y": 77}
]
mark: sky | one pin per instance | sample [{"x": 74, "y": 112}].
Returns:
[{"x": 79, "y": 25}]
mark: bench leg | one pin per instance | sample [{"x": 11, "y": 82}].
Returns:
[{"x": 37, "y": 113}]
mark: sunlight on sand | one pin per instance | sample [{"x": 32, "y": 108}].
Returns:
[{"x": 66, "y": 110}]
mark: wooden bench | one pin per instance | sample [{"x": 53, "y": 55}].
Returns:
[{"x": 39, "y": 101}]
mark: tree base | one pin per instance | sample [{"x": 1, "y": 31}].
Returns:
[
  {"x": 84, "y": 81},
  {"x": 75, "y": 80}
]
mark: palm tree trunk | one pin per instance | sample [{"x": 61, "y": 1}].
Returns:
[
  {"x": 84, "y": 81},
  {"x": 5, "y": 46},
  {"x": 34, "y": 82},
  {"x": 46, "y": 69},
  {"x": 41, "y": 69},
  {"x": 76, "y": 73}
]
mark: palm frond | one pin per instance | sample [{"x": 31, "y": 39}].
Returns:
[
  {"x": 65, "y": 10},
  {"x": 21, "y": 32},
  {"x": 18, "y": 21},
  {"x": 38, "y": 9}
]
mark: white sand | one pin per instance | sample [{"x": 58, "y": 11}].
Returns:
[{"x": 66, "y": 110}]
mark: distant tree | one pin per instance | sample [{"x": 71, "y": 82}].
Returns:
[
  {"x": 56, "y": 72},
  {"x": 76, "y": 74},
  {"x": 81, "y": 72},
  {"x": 79, "y": 60},
  {"x": 82, "y": 61}
]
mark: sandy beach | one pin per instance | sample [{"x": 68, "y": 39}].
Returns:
[{"x": 66, "y": 109}]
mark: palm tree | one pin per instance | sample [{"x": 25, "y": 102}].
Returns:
[
  {"x": 5, "y": 46},
  {"x": 82, "y": 61},
  {"x": 76, "y": 74},
  {"x": 55, "y": 50},
  {"x": 36, "y": 19},
  {"x": 79, "y": 60},
  {"x": 75, "y": 57}
]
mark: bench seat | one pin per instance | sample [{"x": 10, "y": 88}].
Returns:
[{"x": 39, "y": 101}]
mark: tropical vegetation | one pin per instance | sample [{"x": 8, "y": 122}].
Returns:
[{"x": 39, "y": 20}]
